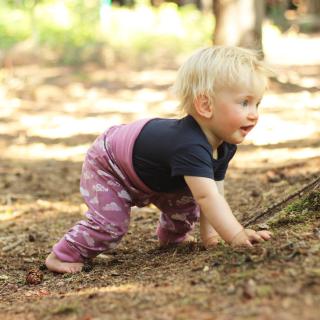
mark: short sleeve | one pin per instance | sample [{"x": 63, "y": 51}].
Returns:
[{"x": 193, "y": 160}]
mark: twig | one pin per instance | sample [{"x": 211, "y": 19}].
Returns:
[
  {"x": 3, "y": 287},
  {"x": 259, "y": 217},
  {"x": 11, "y": 196},
  {"x": 11, "y": 246}
]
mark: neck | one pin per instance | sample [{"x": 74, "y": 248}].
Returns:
[{"x": 211, "y": 137}]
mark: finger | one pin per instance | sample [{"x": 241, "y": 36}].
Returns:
[
  {"x": 249, "y": 244},
  {"x": 265, "y": 234},
  {"x": 256, "y": 238},
  {"x": 212, "y": 241},
  {"x": 253, "y": 235}
]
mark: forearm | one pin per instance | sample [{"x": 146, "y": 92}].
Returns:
[
  {"x": 214, "y": 207},
  {"x": 216, "y": 211},
  {"x": 206, "y": 229}
]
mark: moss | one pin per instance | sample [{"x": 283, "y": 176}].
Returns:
[
  {"x": 311, "y": 202},
  {"x": 299, "y": 211}
]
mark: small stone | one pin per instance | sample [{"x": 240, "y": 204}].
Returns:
[
  {"x": 263, "y": 226},
  {"x": 216, "y": 264},
  {"x": 272, "y": 176},
  {"x": 92, "y": 295},
  {"x": 31, "y": 237},
  {"x": 193, "y": 282},
  {"x": 249, "y": 290},
  {"x": 255, "y": 193},
  {"x": 316, "y": 232},
  {"x": 231, "y": 289},
  {"x": 206, "y": 269},
  {"x": 291, "y": 272},
  {"x": 43, "y": 292}
]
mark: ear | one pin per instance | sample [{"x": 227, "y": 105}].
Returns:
[{"x": 203, "y": 106}]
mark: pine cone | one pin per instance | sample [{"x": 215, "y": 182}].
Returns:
[{"x": 34, "y": 276}]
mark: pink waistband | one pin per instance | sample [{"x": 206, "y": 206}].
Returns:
[{"x": 122, "y": 142}]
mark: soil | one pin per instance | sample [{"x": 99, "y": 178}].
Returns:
[{"x": 43, "y": 140}]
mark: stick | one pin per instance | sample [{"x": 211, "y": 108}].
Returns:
[
  {"x": 11, "y": 246},
  {"x": 259, "y": 217}
]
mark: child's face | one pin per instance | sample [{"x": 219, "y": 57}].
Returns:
[{"x": 235, "y": 113}]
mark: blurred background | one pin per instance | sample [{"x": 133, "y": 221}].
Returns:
[{"x": 69, "y": 69}]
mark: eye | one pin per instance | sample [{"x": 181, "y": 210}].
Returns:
[
  {"x": 245, "y": 103},
  {"x": 257, "y": 105}
]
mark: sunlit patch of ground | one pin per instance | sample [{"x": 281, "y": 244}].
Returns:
[{"x": 54, "y": 106}]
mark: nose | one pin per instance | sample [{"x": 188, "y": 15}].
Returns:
[{"x": 253, "y": 113}]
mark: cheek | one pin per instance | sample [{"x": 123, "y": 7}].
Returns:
[{"x": 233, "y": 118}]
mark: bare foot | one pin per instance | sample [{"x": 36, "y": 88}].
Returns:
[
  {"x": 56, "y": 265},
  {"x": 189, "y": 239}
]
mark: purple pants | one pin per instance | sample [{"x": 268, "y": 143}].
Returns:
[{"x": 110, "y": 187}]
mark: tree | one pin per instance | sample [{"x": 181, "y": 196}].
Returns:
[
  {"x": 238, "y": 22},
  {"x": 29, "y": 6},
  {"x": 312, "y": 6}
]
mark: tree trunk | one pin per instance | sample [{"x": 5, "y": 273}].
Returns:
[
  {"x": 312, "y": 6},
  {"x": 238, "y": 22}
]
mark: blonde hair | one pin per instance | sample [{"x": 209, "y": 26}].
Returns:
[{"x": 220, "y": 67}]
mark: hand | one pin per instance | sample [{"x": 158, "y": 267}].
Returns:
[
  {"x": 209, "y": 236},
  {"x": 246, "y": 237},
  {"x": 258, "y": 236},
  {"x": 210, "y": 240}
]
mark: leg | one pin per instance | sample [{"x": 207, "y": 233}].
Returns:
[
  {"x": 177, "y": 219},
  {"x": 108, "y": 220}
]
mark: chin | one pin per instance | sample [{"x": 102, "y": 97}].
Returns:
[{"x": 235, "y": 140}]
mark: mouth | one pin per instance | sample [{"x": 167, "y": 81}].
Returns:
[{"x": 246, "y": 129}]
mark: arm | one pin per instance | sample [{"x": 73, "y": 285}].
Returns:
[
  {"x": 216, "y": 211},
  {"x": 214, "y": 207},
  {"x": 208, "y": 234}
]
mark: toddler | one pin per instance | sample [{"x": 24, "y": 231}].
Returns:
[{"x": 177, "y": 164}]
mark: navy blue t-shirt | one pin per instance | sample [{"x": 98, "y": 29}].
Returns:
[{"x": 166, "y": 150}]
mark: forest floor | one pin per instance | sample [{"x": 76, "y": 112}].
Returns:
[{"x": 50, "y": 115}]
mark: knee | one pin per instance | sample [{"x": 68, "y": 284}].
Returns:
[{"x": 116, "y": 231}]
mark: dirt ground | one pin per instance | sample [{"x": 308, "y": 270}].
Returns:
[{"x": 49, "y": 116}]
